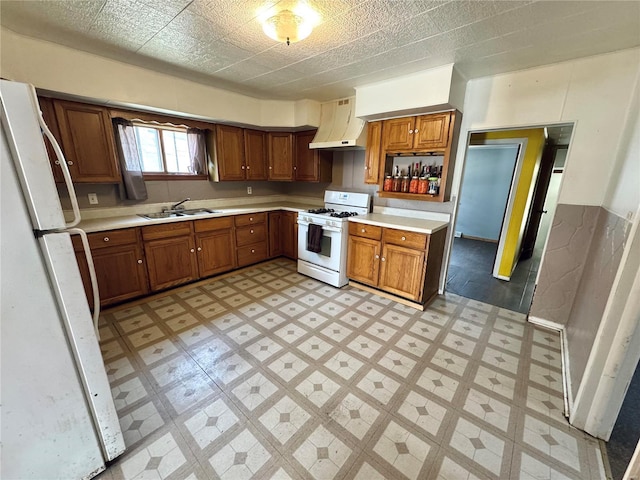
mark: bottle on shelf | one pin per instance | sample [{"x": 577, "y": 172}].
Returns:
[
  {"x": 423, "y": 183},
  {"x": 413, "y": 185},
  {"x": 395, "y": 184}
]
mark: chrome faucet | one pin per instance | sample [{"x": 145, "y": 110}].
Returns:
[{"x": 175, "y": 206}]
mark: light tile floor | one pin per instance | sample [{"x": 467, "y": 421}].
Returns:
[{"x": 268, "y": 374}]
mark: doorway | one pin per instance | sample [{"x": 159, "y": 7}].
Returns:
[{"x": 507, "y": 200}]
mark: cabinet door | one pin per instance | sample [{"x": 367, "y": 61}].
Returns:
[
  {"x": 255, "y": 152},
  {"x": 402, "y": 271},
  {"x": 230, "y": 152},
  {"x": 311, "y": 165},
  {"x": 49, "y": 116},
  {"x": 121, "y": 273},
  {"x": 363, "y": 260},
  {"x": 88, "y": 142},
  {"x": 275, "y": 233},
  {"x": 280, "y": 153},
  {"x": 373, "y": 152},
  {"x": 431, "y": 131},
  {"x": 397, "y": 133},
  {"x": 290, "y": 235},
  {"x": 215, "y": 252},
  {"x": 171, "y": 262}
]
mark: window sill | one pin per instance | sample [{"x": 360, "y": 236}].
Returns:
[{"x": 173, "y": 176}]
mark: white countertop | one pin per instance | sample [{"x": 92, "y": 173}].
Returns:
[
  {"x": 133, "y": 220},
  {"x": 419, "y": 225}
]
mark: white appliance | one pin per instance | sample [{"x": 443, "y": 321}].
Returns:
[
  {"x": 58, "y": 417},
  {"x": 329, "y": 265}
]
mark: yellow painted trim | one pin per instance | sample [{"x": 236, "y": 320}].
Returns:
[{"x": 524, "y": 191}]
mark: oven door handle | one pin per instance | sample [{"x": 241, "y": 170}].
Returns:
[{"x": 324, "y": 227}]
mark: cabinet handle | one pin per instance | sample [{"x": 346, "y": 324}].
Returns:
[
  {"x": 382, "y": 259},
  {"x": 403, "y": 238},
  {"x": 70, "y": 162},
  {"x": 193, "y": 250},
  {"x": 199, "y": 249},
  {"x": 106, "y": 239},
  {"x": 140, "y": 262}
]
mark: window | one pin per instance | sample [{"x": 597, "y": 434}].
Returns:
[{"x": 164, "y": 151}]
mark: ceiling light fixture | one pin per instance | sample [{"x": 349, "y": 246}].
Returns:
[{"x": 290, "y": 26}]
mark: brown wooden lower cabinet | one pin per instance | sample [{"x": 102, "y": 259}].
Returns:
[
  {"x": 171, "y": 254},
  {"x": 251, "y": 238},
  {"x": 283, "y": 234},
  {"x": 119, "y": 265},
  {"x": 215, "y": 246},
  {"x": 406, "y": 264}
]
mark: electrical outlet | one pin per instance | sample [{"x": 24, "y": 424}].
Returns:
[
  {"x": 93, "y": 199},
  {"x": 249, "y": 191}
]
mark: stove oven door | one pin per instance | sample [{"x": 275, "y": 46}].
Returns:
[{"x": 333, "y": 248}]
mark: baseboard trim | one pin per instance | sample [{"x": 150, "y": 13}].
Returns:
[{"x": 564, "y": 357}]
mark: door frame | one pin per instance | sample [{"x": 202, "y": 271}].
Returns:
[{"x": 522, "y": 147}]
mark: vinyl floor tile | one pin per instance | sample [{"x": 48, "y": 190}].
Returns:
[{"x": 268, "y": 374}]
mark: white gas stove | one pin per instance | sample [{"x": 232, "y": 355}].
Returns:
[{"x": 325, "y": 257}]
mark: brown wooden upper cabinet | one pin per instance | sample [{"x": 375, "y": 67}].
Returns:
[
  {"x": 49, "y": 116},
  {"x": 240, "y": 153},
  {"x": 280, "y": 155},
  {"x": 372, "y": 154},
  {"x": 416, "y": 133},
  {"x": 87, "y": 141},
  {"x": 311, "y": 165}
]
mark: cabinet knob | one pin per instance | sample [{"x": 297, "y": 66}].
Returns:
[
  {"x": 415, "y": 131},
  {"x": 193, "y": 250},
  {"x": 404, "y": 238},
  {"x": 270, "y": 167},
  {"x": 199, "y": 249},
  {"x": 251, "y": 219},
  {"x": 106, "y": 239},
  {"x": 253, "y": 251},
  {"x": 377, "y": 257},
  {"x": 242, "y": 167},
  {"x": 364, "y": 230},
  {"x": 410, "y": 131},
  {"x": 57, "y": 162},
  {"x": 366, "y": 168},
  {"x": 382, "y": 259},
  {"x": 140, "y": 261},
  {"x": 251, "y": 232},
  {"x": 248, "y": 167},
  {"x": 70, "y": 162}
]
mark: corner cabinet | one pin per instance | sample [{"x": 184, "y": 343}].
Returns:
[
  {"x": 399, "y": 141},
  {"x": 283, "y": 234},
  {"x": 88, "y": 142},
  {"x": 398, "y": 262}
]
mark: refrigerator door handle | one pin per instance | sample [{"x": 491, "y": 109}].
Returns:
[
  {"x": 62, "y": 163},
  {"x": 92, "y": 276}
]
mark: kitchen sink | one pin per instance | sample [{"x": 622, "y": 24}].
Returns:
[{"x": 178, "y": 213}]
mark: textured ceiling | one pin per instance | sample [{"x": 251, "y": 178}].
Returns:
[{"x": 357, "y": 42}]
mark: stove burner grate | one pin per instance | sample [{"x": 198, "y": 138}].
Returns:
[
  {"x": 321, "y": 210},
  {"x": 344, "y": 214}
]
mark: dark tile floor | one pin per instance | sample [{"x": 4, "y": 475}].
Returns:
[
  {"x": 626, "y": 431},
  {"x": 470, "y": 276}
]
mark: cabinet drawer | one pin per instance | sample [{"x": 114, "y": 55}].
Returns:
[
  {"x": 365, "y": 230},
  {"x": 251, "y": 234},
  {"x": 211, "y": 224},
  {"x": 176, "y": 229},
  {"x": 113, "y": 237},
  {"x": 252, "y": 254},
  {"x": 250, "y": 219},
  {"x": 406, "y": 239}
]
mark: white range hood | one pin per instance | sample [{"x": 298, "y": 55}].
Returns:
[{"x": 339, "y": 127}]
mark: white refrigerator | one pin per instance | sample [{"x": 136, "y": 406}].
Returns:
[{"x": 58, "y": 419}]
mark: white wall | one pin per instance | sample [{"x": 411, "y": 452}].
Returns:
[
  {"x": 58, "y": 68},
  {"x": 487, "y": 180},
  {"x": 593, "y": 92}
]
